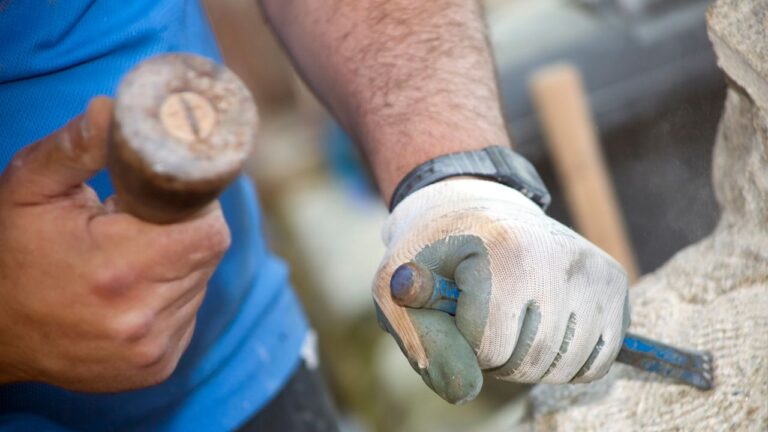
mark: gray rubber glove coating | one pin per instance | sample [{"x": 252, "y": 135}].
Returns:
[{"x": 453, "y": 372}]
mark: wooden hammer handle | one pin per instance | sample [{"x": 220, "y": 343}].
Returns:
[
  {"x": 563, "y": 111},
  {"x": 182, "y": 128}
]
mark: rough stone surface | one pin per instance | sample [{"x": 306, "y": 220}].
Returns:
[
  {"x": 712, "y": 295},
  {"x": 737, "y": 29},
  {"x": 742, "y": 25}
]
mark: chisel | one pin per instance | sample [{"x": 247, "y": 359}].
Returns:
[{"x": 413, "y": 285}]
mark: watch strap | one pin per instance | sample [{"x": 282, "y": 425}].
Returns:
[{"x": 500, "y": 164}]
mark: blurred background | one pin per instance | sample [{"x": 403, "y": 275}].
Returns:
[{"x": 655, "y": 94}]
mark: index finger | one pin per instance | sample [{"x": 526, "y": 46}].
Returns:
[{"x": 171, "y": 251}]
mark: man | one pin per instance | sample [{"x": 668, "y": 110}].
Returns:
[{"x": 98, "y": 308}]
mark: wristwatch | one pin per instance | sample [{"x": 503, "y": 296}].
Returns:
[{"x": 500, "y": 164}]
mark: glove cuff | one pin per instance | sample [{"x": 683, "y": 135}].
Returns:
[{"x": 500, "y": 164}]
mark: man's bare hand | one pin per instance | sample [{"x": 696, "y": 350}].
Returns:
[{"x": 92, "y": 299}]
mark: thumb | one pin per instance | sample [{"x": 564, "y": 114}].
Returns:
[
  {"x": 452, "y": 371},
  {"x": 64, "y": 160}
]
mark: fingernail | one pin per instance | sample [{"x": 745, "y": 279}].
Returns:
[
  {"x": 86, "y": 129},
  {"x": 64, "y": 141},
  {"x": 112, "y": 205}
]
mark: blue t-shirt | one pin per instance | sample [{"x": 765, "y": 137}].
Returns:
[{"x": 56, "y": 55}]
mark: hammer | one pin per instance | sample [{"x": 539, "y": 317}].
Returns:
[{"x": 182, "y": 128}]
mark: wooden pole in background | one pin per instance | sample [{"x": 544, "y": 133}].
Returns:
[{"x": 564, "y": 113}]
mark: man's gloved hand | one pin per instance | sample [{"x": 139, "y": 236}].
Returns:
[
  {"x": 92, "y": 299},
  {"x": 539, "y": 303}
]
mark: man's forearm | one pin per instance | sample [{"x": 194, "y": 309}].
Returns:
[{"x": 409, "y": 80}]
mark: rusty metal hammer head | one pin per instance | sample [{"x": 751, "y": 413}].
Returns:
[{"x": 182, "y": 128}]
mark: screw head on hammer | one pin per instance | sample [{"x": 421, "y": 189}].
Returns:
[{"x": 187, "y": 116}]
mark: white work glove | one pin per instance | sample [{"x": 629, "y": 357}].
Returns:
[{"x": 538, "y": 303}]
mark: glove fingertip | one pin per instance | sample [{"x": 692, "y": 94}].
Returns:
[
  {"x": 453, "y": 372},
  {"x": 456, "y": 387}
]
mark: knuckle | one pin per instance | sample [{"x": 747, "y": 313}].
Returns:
[
  {"x": 211, "y": 239},
  {"x": 151, "y": 377},
  {"x": 20, "y": 158},
  {"x": 218, "y": 237},
  {"x": 111, "y": 281},
  {"x": 150, "y": 354},
  {"x": 162, "y": 362},
  {"x": 133, "y": 327},
  {"x": 163, "y": 370},
  {"x": 9, "y": 178}
]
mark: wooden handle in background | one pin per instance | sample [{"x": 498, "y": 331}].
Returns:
[
  {"x": 182, "y": 129},
  {"x": 563, "y": 111}
]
